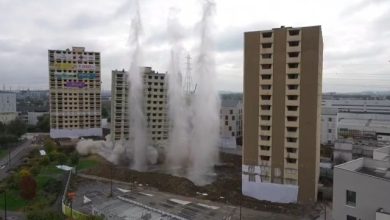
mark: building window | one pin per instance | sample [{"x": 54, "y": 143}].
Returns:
[
  {"x": 292, "y": 76},
  {"x": 266, "y": 97},
  {"x": 293, "y": 54},
  {"x": 266, "y": 76},
  {"x": 351, "y": 198},
  {"x": 230, "y": 128},
  {"x": 292, "y": 97},
  {"x": 226, "y": 117},
  {"x": 265, "y": 107},
  {"x": 349, "y": 217},
  {"x": 293, "y": 32},
  {"x": 292, "y": 108},
  {"x": 231, "y": 111},
  {"x": 293, "y": 43},
  {"x": 266, "y": 66},
  {"x": 267, "y": 34},
  {"x": 266, "y": 87},
  {"x": 293, "y": 65},
  {"x": 233, "y": 118},
  {"x": 226, "y": 123},
  {"x": 329, "y": 130},
  {"x": 266, "y": 45},
  {"x": 233, "y": 134},
  {"x": 329, "y": 119},
  {"x": 265, "y": 117},
  {"x": 266, "y": 55},
  {"x": 292, "y": 87},
  {"x": 264, "y": 147}
]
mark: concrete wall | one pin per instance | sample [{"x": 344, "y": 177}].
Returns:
[
  {"x": 328, "y": 129},
  {"x": 371, "y": 194}
]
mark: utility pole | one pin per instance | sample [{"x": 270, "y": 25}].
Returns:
[
  {"x": 110, "y": 180},
  {"x": 5, "y": 204}
]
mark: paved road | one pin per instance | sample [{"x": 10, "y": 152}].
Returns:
[
  {"x": 13, "y": 215},
  {"x": 98, "y": 192},
  {"x": 16, "y": 156}
]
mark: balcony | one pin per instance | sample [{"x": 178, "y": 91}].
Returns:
[
  {"x": 265, "y": 91},
  {"x": 292, "y": 134}
]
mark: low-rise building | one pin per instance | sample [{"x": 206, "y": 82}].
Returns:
[
  {"x": 7, "y": 106},
  {"x": 230, "y": 123},
  {"x": 361, "y": 190}
]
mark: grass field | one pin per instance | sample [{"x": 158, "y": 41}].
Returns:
[{"x": 87, "y": 162}]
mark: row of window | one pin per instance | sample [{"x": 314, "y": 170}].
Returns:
[
  {"x": 294, "y": 32},
  {"x": 269, "y": 66},
  {"x": 290, "y": 44},
  {"x": 269, "y": 55},
  {"x": 71, "y": 52},
  {"x": 268, "y": 107},
  {"x": 289, "y": 76}
]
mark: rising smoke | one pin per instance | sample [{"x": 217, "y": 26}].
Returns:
[
  {"x": 138, "y": 132},
  {"x": 194, "y": 117},
  {"x": 205, "y": 103},
  {"x": 177, "y": 151}
]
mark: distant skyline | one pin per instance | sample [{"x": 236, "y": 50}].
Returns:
[{"x": 356, "y": 37}]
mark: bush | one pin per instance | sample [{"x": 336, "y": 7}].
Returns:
[
  {"x": 61, "y": 158},
  {"x": 52, "y": 186},
  {"x": 50, "y": 145},
  {"x": 44, "y": 215},
  {"x": 28, "y": 187},
  {"x": 45, "y": 161},
  {"x": 74, "y": 158}
]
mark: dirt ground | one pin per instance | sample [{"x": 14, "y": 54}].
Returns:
[{"x": 226, "y": 188}]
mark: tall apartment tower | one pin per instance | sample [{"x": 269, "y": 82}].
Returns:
[
  {"x": 282, "y": 100},
  {"x": 75, "y": 102},
  {"x": 155, "y": 106}
]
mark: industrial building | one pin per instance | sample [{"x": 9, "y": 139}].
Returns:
[
  {"x": 75, "y": 86},
  {"x": 281, "y": 127},
  {"x": 155, "y": 105},
  {"x": 332, "y": 107},
  {"x": 7, "y": 106},
  {"x": 230, "y": 123},
  {"x": 361, "y": 188}
]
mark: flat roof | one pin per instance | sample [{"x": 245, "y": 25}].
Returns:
[{"x": 367, "y": 166}]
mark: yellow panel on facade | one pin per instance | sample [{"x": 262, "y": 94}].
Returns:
[{"x": 64, "y": 66}]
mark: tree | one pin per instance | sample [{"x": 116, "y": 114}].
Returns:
[
  {"x": 74, "y": 158},
  {"x": 43, "y": 124},
  {"x": 50, "y": 145},
  {"x": 61, "y": 157},
  {"x": 6, "y": 139},
  {"x": 104, "y": 113},
  {"x": 28, "y": 187},
  {"x": 17, "y": 127}
]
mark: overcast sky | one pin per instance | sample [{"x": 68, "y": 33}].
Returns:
[{"x": 356, "y": 36}]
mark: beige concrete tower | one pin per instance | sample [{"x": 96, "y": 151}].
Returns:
[
  {"x": 282, "y": 100},
  {"x": 155, "y": 106},
  {"x": 75, "y": 102}
]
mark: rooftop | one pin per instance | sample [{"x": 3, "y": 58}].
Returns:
[
  {"x": 367, "y": 166},
  {"x": 230, "y": 103}
]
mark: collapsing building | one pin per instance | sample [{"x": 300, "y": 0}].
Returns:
[{"x": 155, "y": 106}]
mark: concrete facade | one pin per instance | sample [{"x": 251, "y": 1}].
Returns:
[
  {"x": 328, "y": 126},
  {"x": 7, "y": 107},
  {"x": 155, "y": 106},
  {"x": 369, "y": 181},
  {"x": 231, "y": 123},
  {"x": 32, "y": 117},
  {"x": 75, "y": 87},
  {"x": 281, "y": 127}
]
